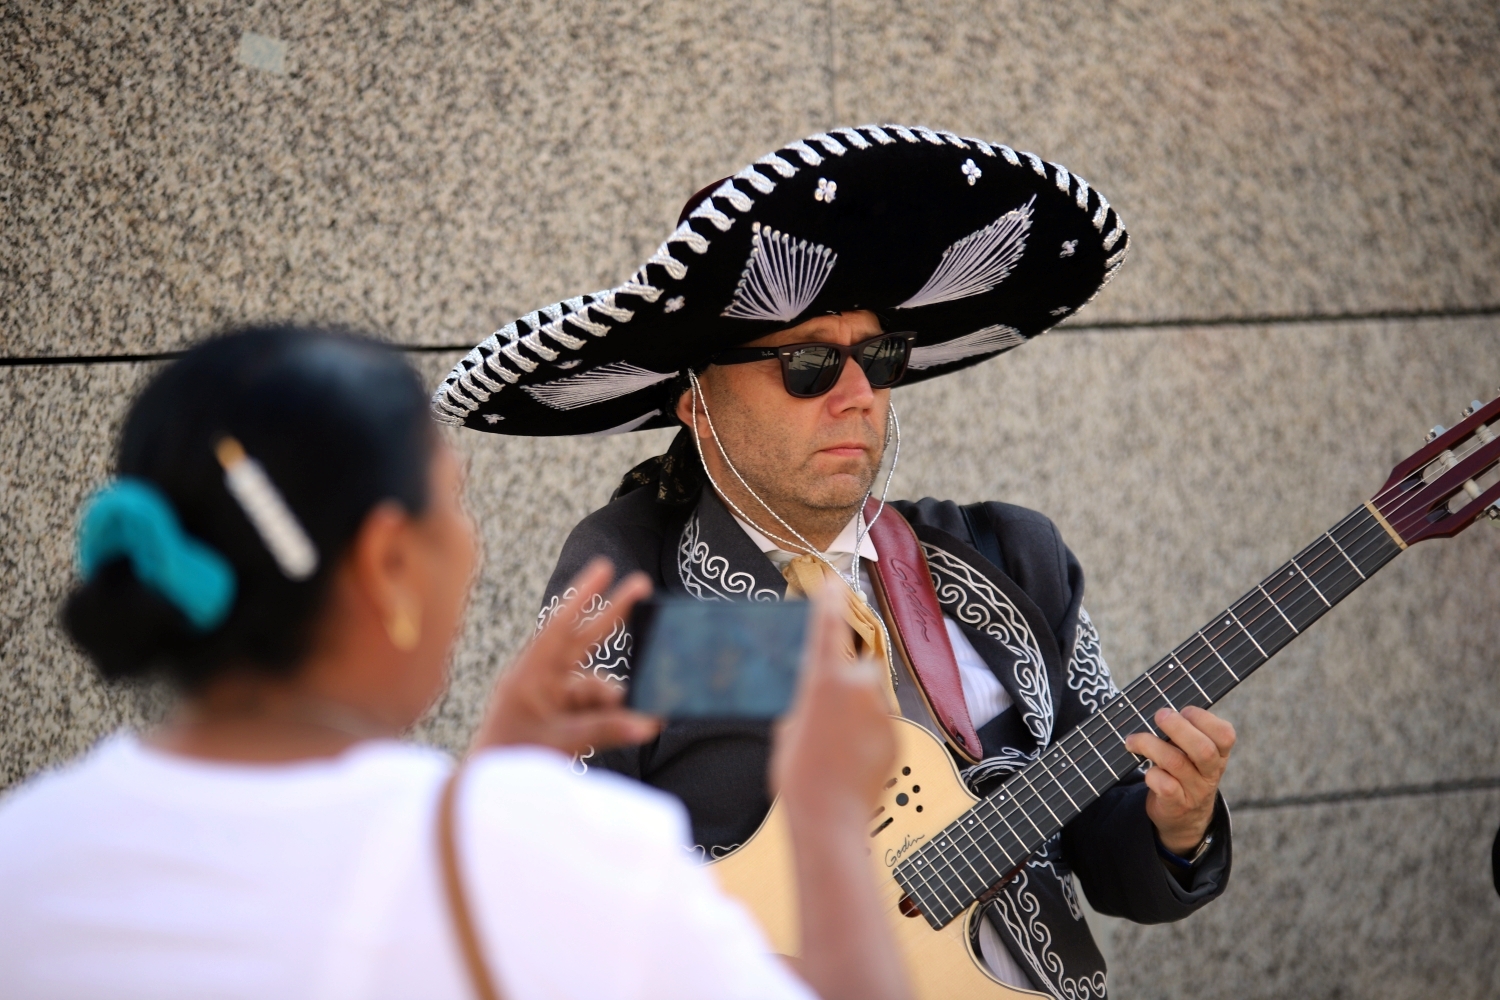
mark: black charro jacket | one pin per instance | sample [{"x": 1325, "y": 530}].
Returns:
[{"x": 1026, "y": 620}]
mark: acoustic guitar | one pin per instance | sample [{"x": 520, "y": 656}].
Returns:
[{"x": 940, "y": 853}]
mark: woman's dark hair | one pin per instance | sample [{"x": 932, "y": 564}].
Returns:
[{"x": 340, "y": 424}]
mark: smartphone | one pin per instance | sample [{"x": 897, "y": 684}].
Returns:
[{"x": 716, "y": 659}]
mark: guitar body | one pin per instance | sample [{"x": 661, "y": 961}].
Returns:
[{"x": 942, "y": 964}]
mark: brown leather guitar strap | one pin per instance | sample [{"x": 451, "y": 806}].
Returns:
[
  {"x": 453, "y": 888},
  {"x": 912, "y": 608}
]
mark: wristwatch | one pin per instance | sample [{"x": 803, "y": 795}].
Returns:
[{"x": 1191, "y": 859}]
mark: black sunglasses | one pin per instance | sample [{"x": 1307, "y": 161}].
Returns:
[{"x": 809, "y": 370}]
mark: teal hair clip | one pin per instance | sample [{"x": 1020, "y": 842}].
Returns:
[{"x": 134, "y": 519}]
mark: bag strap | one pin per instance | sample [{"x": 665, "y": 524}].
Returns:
[
  {"x": 911, "y": 604},
  {"x": 982, "y": 533},
  {"x": 453, "y": 888}
]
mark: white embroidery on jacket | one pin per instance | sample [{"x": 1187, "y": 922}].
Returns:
[
  {"x": 1021, "y": 913},
  {"x": 973, "y": 600},
  {"x": 609, "y": 658},
  {"x": 707, "y": 576},
  {"x": 1088, "y": 674}
]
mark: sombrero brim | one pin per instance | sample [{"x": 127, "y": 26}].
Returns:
[{"x": 974, "y": 247}]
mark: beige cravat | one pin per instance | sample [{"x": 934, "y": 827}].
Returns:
[{"x": 806, "y": 573}]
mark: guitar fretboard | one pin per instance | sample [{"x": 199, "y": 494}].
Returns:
[{"x": 987, "y": 843}]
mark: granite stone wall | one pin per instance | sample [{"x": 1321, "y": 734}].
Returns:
[{"x": 1315, "y": 280}]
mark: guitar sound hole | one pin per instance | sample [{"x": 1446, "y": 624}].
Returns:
[{"x": 909, "y": 908}]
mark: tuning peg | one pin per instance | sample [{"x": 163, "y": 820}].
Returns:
[
  {"x": 1472, "y": 408},
  {"x": 1437, "y": 429}
]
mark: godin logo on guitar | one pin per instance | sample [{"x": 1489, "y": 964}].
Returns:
[{"x": 893, "y": 855}]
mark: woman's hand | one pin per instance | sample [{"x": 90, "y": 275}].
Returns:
[
  {"x": 835, "y": 748},
  {"x": 543, "y": 699},
  {"x": 832, "y": 758}
]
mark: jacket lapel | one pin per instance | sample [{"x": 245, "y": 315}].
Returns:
[{"x": 714, "y": 560}]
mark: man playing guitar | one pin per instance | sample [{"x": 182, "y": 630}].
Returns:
[{"x": 771, "y": 326}]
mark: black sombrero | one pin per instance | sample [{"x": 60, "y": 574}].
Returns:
[{"x": 975, "y": 247}]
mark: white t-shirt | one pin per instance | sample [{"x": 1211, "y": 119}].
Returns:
[{"x": 138, "y": 874}]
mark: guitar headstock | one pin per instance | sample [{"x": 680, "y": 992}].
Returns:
[{"x": 1448, "y": 483}]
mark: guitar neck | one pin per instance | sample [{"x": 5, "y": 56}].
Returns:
[{"x": 984, "y": 845}]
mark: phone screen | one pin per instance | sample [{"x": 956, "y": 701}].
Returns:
[{"x": 716, "y": 659}]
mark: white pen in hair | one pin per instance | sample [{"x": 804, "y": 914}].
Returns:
[{"x": 263, "y": 504}]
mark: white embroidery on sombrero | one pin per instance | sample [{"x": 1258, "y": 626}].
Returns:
[
  {"x": 902, "y": 132},
  {"x": 624, "y": 428},
  {"x": 1082, "y": 200},
  {"x": 853, "y": 138},
  {"x": 706, "y": 210},
  {"x": 673, "y": 304},
  {"x": 1101, "y": 212},
  {"x": 782, "y": 276},
  {"x": 828, "y": 142},
  {"x": 986, "y": 341},
  {"x": 971, "y": 171},
  {"x": 1114, "y": 235},
  {"x": 1063, "y": 178},
  {"x": 809, "y": 155},
  {"x": 596, "y": 385},
  {"x": 878, "y": 134},
  {"x": 928, "y": 134},
  {"x": 978, "y": 262},
  {"x": 1010, "y": 156},
  {"x": 755, "y": 179},
  {"x": 951, "y": 139},
  {"x": 777, "y": 164}
]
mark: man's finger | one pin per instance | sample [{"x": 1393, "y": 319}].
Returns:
[
  {"x": 1160, "y": 781},
  {"x": 1159, "y": 752},
  {"x": 1221, "y": 731},
  {"x": 1190, "y": 740}
]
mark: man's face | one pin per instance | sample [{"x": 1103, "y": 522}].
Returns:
[{"x": 820, "y": 453}]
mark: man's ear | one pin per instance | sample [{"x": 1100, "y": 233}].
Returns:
[{"x": 684, "y": 408}]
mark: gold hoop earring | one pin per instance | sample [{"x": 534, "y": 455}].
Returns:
[{"x": 404, "y": 629}]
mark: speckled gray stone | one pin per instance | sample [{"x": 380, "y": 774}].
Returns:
[
  {"x": 1384, "y": 900},
  {"x": 427, "y": 172},
  {"x": 1268, "y": 156}
]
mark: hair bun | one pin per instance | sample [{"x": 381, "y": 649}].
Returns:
[{"x": 123, "y": 625}]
